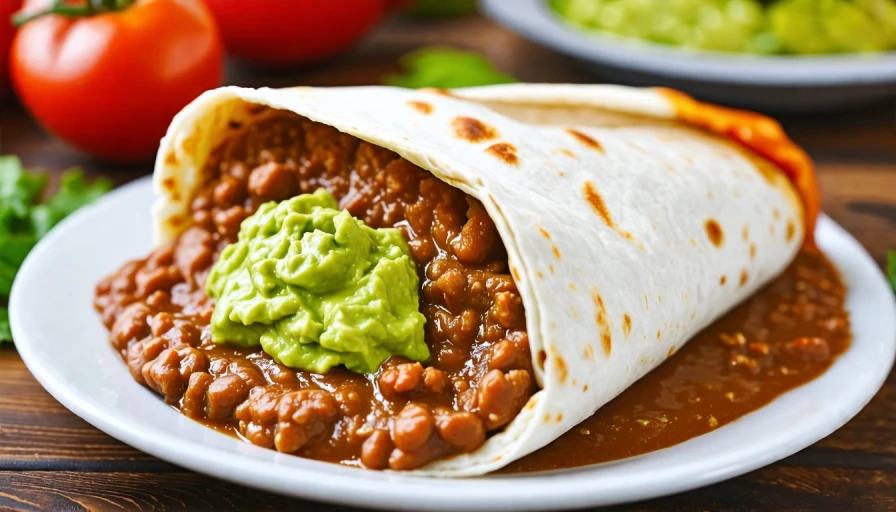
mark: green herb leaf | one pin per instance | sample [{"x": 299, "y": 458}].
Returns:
[
  {"x": 891, "y": 268},
  {"x": 74, "y": 192},
  {"x": 23, "y": 221},
  {"x": 446, "y": 68},
  {"x": 5, "y": 331}
]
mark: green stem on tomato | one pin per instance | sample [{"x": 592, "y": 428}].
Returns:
[{"x": 81, "y": 10}]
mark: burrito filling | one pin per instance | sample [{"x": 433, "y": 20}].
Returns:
[{"x": 316, "y": 343}]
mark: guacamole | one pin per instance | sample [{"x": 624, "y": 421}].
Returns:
[
  {"x": 316, "y": 288},
  {"x": 745, "y": 26}
]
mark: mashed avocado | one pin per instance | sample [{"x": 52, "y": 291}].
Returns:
[
  {"x": 747, "y": 26},
  {"x": 317, "y": 288}
]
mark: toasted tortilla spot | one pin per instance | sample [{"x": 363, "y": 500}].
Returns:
[
  {"x": 169, "y": 184},
  {"x": 539, "y": 274},
  {"x": 556, "y": 251},
  {"x": 597, "y": 203},
  {"x": 746, "y": 232},
  {"x": 603, "y": 322},
  {"x": 585, "y": 140},
  {"x": 671, "y": 351},
  {"x": 588, "y": 354},
  {"x": 791, "y": 230},
  {"x": 544, "y": 233},
  {"x": 743, "y": 277},
  {"x": 723, "y": 280},
  {"x": 585, "y": 388},
  {"x": 516, "y": 275},
  {"x": 658, "y": 334},
  {"x": 473, "y": 130},
  {"x": 551, "y": 269},
  {"x": 176, "y": 220},
  {"x": 776, "y": 214},
  {"x": 421, "y": 106},
  {"x": 572, "y": 286},
  {"x": 693, "y": 242},
  {"x": 714, "y": 232},
  {"x": 547, "y": 417},
  {"x": 562, "y": 371},
  {"x": 439, "y": 91},
  {"x": 171, "y": 158},
  {"x": 753, "y": 251},
  {"x": 542, "y": 357},
  {"x": 559, "y": 417},
  {"x": 190, "y": 142},
  {"x": 564, "y": 151},
  {"x": 503, "y": 151},
  {"x": 626, "y": 324},
  {"x": 531, "y": 404}
]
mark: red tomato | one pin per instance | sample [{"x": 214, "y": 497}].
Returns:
[
  {"x": 7, "y": 8},
  {"x": 110, "y": 83},
  {"x": 286, "y": 32}
]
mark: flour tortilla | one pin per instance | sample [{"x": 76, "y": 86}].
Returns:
[{"x": 627, "y": 232}]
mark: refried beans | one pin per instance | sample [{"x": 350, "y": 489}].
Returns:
[{"x": 407, "y": 414}]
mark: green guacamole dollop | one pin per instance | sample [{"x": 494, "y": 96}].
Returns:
[{"x": 316, "y": 288}]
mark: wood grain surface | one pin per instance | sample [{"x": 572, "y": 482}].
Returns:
[{"x": 52, "y": 460}]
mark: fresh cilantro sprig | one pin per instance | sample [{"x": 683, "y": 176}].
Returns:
[
  {"x": 446, "y": 68},
  {"x": 24, "y": 220}
]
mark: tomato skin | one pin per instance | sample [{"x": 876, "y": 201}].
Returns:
[
  {"x": 278, "y": 33},
  {"x": 109, "y": 84},
  {"x": 7, "y": 8}
]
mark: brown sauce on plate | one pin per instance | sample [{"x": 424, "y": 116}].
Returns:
[{"x": 787, "y": 334}]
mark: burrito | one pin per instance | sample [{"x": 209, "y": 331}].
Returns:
[{"x": 444, "y": 281}]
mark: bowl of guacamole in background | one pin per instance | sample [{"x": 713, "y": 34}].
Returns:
[{"x": 762, "y": 54}]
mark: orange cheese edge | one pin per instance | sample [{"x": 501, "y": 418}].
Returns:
[{"x": 762, "y": 135}]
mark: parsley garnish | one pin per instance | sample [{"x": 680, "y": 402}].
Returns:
[{"x": 24, "y": 220}]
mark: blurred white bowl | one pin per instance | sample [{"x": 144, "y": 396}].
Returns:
[{"x": 762, "y": 82}]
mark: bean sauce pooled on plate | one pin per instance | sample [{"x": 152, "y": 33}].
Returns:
[
  {"x": 479, "y": 376},
  {"x": 787, "y": 334}
]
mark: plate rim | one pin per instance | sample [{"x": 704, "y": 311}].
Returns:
[
  {"x": 533, "y": 20},
  {"x": 328, "y": 482}
]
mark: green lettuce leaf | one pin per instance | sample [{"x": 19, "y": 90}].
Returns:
[
  {"x": 446, "y": 68},
  {"x": 891, "y": 268},
  {"x": 5, "y": 331}
]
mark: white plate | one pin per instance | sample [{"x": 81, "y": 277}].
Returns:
[
  {"x": 776, "y": 82},
  {"x": 65, "y": 346}
]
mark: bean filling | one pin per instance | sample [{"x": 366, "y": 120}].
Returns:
[{"x": 407, "y": 414}]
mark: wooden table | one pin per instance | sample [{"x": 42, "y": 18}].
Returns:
[{"x": 52, "y": 460}]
